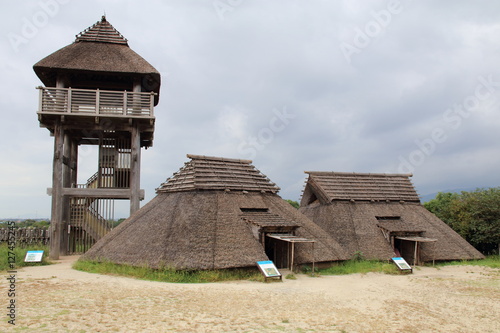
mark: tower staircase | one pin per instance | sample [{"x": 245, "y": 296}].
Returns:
[{"x": 87, "y": 222}]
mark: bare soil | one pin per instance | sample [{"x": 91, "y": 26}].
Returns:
[{"x": 57, "y": 298}]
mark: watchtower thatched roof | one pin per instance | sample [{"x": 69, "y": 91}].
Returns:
[
  {"x": 377, "y": 214},
  {"x": 214, "y": 213},
  {"x": 98, "y": 52}
]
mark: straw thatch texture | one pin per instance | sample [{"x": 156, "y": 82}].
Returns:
[
  {"x": 102, "y": 32},
  {"x": 360, "y": 186},
  {"x": 215, "y": 173},
  {"x": 266, "y": 219},
  {"x": 99, "y": 50},
  {"x": 186, "y": 227},
  {"x": 359, "y": 225}
]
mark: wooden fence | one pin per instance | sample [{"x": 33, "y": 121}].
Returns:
[{"x": 26, "y": 236}]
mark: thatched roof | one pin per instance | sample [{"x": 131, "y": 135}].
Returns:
[
  {"x": 330, "y": 186},
  {"x": 262, "y": 218},
  {"x": 216, "y": 173},
  {"x": 99, "y": 50},
  {"x": 205, "y": 220},
  {"x": 364, "y": 217}
]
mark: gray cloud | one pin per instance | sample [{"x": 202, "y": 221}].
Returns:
[{"x": 223, "y": 79}]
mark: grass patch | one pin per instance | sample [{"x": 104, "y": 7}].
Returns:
[
  {"x": 492, "y": 261},
  {"x": 20, "y": 253},
  {"x": 168, "y": 274},
  {"x": 360, "y": 266}
]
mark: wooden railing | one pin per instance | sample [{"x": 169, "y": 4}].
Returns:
[
  {"x": 25, "y": 236},
  {"x": 96, "y": 102}
]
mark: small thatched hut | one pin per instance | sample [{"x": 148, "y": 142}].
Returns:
[
  {"x": 216, "y": 213},
  {"x": 380, "y": 215}
]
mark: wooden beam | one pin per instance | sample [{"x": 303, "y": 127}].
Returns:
[
  {"x": 102, "y": 193},
  {"x": 135, "y": 170},
  {"x": 57, "y": 196},
  {"x": 74, "y": 163},
  {"x": 66, "y": 182}
]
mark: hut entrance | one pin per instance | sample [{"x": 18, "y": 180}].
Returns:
[
  {"x": 410, "y": 248},
  {"x": 277, "y": 251},
  {"x": 280, "y": 248}
]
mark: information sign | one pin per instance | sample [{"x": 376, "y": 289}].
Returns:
[
  {"x": 401, "y": 263},
  {"x": 268, "y": 269},
  {"x": 33, "y": 256}
]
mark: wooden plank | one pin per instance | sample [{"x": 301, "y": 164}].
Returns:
[{"x": 104, "y": 193}]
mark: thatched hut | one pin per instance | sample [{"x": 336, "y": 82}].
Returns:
[
  {"x": 380, "y": 215},
  {"x": 217, "y": 213}
]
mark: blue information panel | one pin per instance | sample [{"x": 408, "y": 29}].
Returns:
[
  {"x": 33, "y": 256},
  {"x": 268, "y": 269},
  {"x": 401, "y": 263}
]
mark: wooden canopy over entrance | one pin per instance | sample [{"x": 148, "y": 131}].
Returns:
[{"x": 291, "y": 240}]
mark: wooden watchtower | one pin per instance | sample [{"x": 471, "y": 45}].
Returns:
[{"x": 99, "y": 92}]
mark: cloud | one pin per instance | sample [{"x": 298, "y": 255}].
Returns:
[{"x": 223, "y": 79}]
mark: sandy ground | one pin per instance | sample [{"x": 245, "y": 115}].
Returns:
[{"x": 57, "y": 298}]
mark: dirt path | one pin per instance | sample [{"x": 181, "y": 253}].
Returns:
[{"x": 57, "y": 298}]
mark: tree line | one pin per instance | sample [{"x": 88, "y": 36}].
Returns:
[{"x": 475, "y": 215}]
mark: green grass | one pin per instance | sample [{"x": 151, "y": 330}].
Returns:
[
  {"x": 490, "y": 261},
  {"x": 19, "y": 254},
  {"x": 360, "y": 266},
  {"x": 168, "y": 274},
  {"x": 367, "y": 266}
]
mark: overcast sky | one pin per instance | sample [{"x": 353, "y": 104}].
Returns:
[{"x": 352, "y": 86}]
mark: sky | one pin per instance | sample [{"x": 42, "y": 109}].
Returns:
[{"x": 350, "y": 86}]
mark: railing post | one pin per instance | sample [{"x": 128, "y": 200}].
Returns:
[
  {"x": 40, "y": 100},
  {"x": 151, "y": 104},
  {"x": 97, "y": 96},
  {"x": 125, "y": 103},
  {"x": 69, "y": 100}
]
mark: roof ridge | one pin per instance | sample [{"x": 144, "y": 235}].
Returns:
[
  {"x": 221, "y": 159},
  {"x": 103, "y": 32},
  {"x": 365, "y": 174},
  {"x": 218, "y": 173}
]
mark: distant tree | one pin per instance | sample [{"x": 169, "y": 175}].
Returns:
[
  {"x": 295, "y": 204},
  {"x": 28, "y": 223},
  {"x": 41, "y": 224},
  {"x": 117, "y": 222},
  {"x": 474, "y": 215}
]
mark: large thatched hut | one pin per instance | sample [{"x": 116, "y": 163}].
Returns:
[
  {"x": 380, "y": 215},
  {"x": 217, "y": 213}
]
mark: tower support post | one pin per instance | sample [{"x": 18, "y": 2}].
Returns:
[
  {"x": 56, "y": 220},
  {"x": 135, "y": 169}
]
